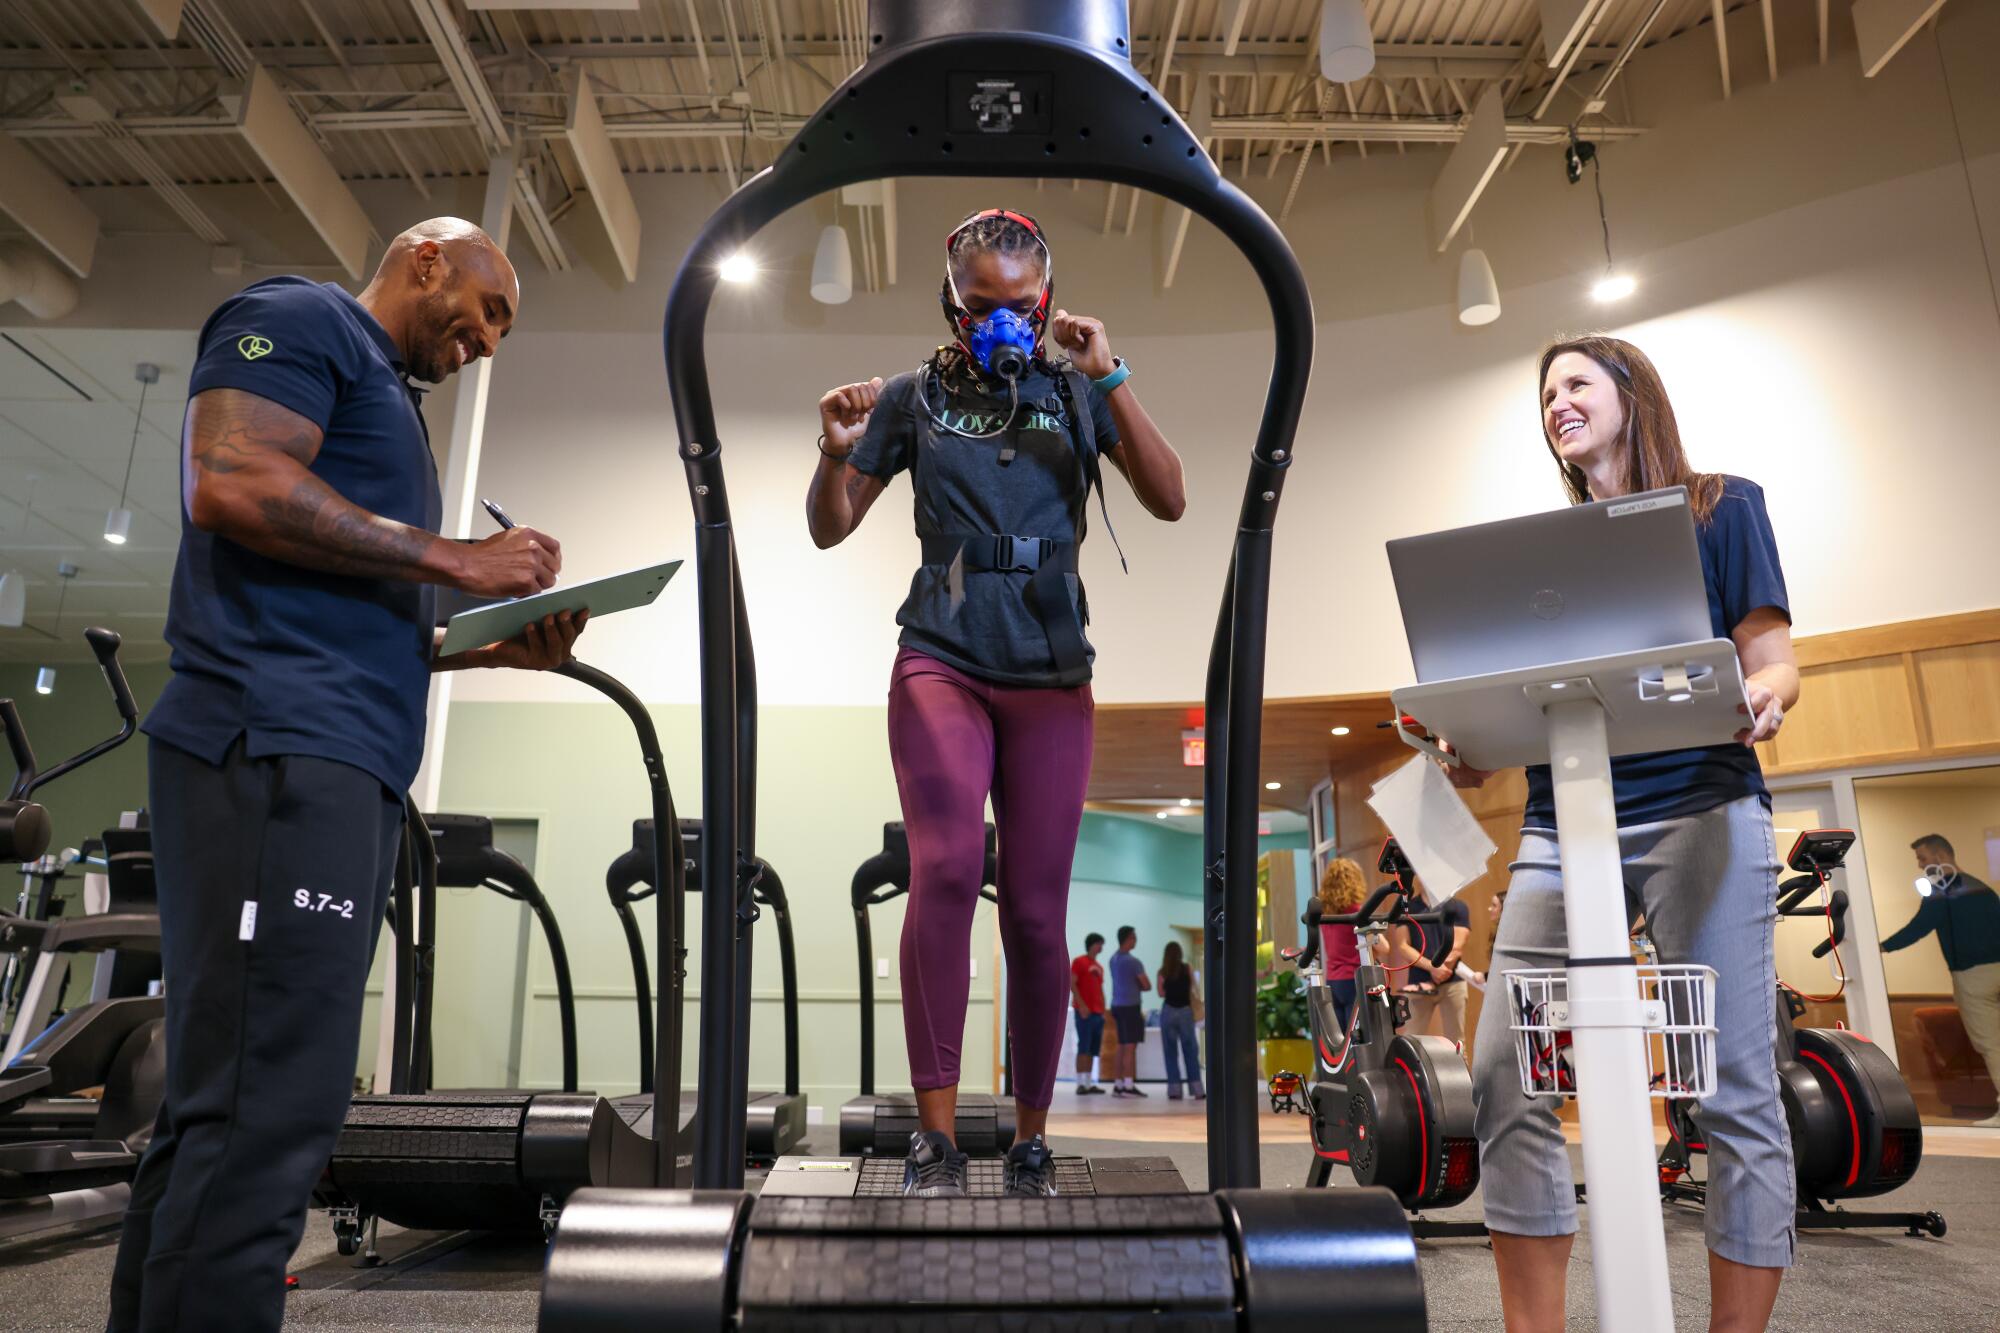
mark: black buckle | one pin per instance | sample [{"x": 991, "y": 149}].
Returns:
[{"x": 1018, "y": 554}]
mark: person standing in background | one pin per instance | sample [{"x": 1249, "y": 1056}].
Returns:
[
  {"x": 1128, "y": 978},
  {"x": 1432, "y": 985},
  {"x": 1342, "y": 889},
  {"x": 1965, "y": 914},
  {"x": 1177, "y": 1000},
  {"x": 1086, "y": 998}
]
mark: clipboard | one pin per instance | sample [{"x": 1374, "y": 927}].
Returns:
[{"x": 600, "y": 597}]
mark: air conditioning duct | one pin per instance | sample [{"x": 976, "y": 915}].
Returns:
[{"x": 32, "y": 278}]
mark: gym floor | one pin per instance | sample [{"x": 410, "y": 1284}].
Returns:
[{"x": 1844, "y": 1282}]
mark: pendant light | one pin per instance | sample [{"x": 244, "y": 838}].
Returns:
[
  {"x": 118, "y": 523},
  {"x": 45, "y": 679},
  {"x": 1346, "y": 46},
  {"x": 1478, "y": 293},
  {"x": 833, "y": 267}
]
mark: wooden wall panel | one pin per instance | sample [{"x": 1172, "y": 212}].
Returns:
[
  {"x": 1848, "y": 712},
  {"x": 1961, "y": 694}
]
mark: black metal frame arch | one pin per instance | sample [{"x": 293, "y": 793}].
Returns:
[{"x": 1084, "y": 112}]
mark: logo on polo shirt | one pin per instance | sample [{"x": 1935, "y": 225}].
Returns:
[{"x": 253, "y": 346}]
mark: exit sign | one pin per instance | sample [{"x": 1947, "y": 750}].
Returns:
[{"x": 1194, "y": 750}]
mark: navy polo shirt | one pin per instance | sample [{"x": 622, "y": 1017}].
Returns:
[
  {"x": 1739, "y": 565},
  {"x": 295, "y": 660}
]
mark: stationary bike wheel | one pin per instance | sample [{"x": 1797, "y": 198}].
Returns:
[
  {"x": 1855, "y": 1128},
  {"x": 1412, "y": 1125}
]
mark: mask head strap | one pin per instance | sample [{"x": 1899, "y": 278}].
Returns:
[{"x": 954, "y": 309}]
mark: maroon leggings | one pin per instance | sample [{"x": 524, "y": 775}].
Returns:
[{"x": 954, "y": 740}]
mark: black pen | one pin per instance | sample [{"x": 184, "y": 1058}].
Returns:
[{"x": 499, "y": 514}]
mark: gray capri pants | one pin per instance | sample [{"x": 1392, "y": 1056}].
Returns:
[{"x": 1707, "y": 884}]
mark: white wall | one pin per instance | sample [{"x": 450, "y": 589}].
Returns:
[{"x": 1815, "y": 289}]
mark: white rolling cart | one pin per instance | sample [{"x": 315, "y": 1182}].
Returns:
[{"x": 1612, "y": 1032}]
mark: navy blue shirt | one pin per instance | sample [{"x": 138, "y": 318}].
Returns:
[
  {"x": 1739, "y": 564},
  {"x": 294, "y": 660},
  {"x": 984, "y": 627},
  {"x": 1966, "y": 916}
]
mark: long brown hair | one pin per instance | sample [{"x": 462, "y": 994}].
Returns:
[
  {"x": 1171, "y": 965},
  {"x": 1652, "y": 441}
]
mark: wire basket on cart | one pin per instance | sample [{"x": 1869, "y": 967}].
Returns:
[{"x": 1677, "y": 1008}]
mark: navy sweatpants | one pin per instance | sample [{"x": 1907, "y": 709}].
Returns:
[{"x": 273, "y": 875}]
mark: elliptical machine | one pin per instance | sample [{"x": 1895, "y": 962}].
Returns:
[
  {"x": 1856, "y": 1131},
  {"x": 1396, "y": 1110}
]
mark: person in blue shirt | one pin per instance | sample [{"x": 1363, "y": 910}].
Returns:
[
  {"x": 1128, "y": 978},
  {"x": 1695, "y": 836},
  {"x": 1965, "y": 916},
  {"x": 302, "y": 623}
]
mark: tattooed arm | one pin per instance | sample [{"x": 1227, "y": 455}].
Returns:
[{"x": 246, "y": 477}]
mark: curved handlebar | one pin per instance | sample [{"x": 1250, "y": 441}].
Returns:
[{"x": 104, "y": 644}]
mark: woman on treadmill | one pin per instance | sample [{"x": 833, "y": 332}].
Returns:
[
  {"x": 990, "y": 694},
  {"x": 1694, "y": 829}
]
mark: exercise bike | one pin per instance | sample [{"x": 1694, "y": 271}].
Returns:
[
  {"x": 1396, "y": 1110},
  {"x": 1855, "y": 1128}
]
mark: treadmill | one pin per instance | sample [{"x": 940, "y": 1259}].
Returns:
[
  {"x": 774, "y": 1122},
  {"x": 501, "y": 1160},
  {"x": 1001, "y": 89},
  {"x": 880, "y": 1124}
]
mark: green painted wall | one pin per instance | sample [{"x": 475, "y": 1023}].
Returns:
[
  {"x": 573, "y": 771},
  {"x": 79, "y": 714}
]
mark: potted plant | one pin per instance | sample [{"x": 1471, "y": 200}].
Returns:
[{"x": 1282, "y": 1019}]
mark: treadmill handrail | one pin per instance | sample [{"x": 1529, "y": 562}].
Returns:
[
  {"x": 80, "y": 934},
  {"x": 872, "y": 127},
  {"x": 660, "y": 1044}
]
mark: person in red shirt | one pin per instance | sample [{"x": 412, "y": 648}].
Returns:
[
  {"x": 1342, "y": 888},
  {"x": 1086, "y": 997}
]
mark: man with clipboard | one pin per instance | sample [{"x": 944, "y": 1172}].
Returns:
[{"x": 302, "y": 623}]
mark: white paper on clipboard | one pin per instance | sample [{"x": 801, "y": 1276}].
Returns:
[{"x": 1445, "y": 844}]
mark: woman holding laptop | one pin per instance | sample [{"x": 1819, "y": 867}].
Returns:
[{"x": 1701, "y": 864}]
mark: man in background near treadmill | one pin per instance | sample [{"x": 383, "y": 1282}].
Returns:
[
  {"x": 302, "y": 620},
  {"x": 1128, "y": 978},
  {"x": 1086, "y": 998},
  {"x": 1966, "y": 916}
]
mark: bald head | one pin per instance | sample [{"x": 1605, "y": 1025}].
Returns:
[{"x": 446, "y": 295}]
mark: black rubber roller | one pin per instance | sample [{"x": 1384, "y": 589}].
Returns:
[{"x": 1236, "y": 1260}]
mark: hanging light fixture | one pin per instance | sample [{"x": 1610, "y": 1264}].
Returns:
[
  {"x": 118, "y": 523},
  {"x": 833, "y": 267},
  {"x": 1611, "y": 285},
  {"x": 45, "y": 679},
  {"x": 14, "y": 584},
  {"x": 1346, "y": 46},
  {"x": 1478, "y": 293}
]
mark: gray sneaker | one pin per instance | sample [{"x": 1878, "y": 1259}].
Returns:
[
  {"x": 1030, "y": 1171},
  {"x": 934, "y": 1169}
]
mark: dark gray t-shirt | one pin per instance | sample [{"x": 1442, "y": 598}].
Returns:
[{"x": 962, "y": 488}]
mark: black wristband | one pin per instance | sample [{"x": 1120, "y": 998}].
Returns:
[{"x": 838, "y": 458}]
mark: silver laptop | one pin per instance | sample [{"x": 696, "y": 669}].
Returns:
[{"x": 1594, "y": 579}]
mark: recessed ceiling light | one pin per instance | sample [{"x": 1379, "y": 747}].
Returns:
[
  {"x": 1185, "y": 802},
  {"x": 1160, "y": 814},
  {"x": 1613, "y": 287},
  {"x": 739, "y": 267},
  {"x": 1340, "y": 731},
  {"x": 1273, "y": 786}
]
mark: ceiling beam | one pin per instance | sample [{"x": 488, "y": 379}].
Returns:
[
  {"x": 602, "y": 176},
  {"x": 461, "y": 66},
  {"x": 1721, "y": 23},
  {"x": 264, "y": 118},
  {"x": 293, "y": 56},
  {"x": 1471, "y": 164},
  {"x": 1770, "y": 41},
  {"x": 45, "y": 207},
  {"x": 1233, "y": 12},
  {"x": 1881, "y": 27}
]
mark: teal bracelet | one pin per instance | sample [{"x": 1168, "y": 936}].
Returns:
[{"x": 1118, "y": 376}]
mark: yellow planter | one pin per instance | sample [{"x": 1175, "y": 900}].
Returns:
[{"x": 1293, "y": 1053}]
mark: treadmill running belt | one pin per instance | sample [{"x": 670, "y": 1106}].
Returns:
[{"x": 1075, "y": 1177}]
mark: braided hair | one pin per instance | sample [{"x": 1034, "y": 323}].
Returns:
[{"x": 995, "y": 234}]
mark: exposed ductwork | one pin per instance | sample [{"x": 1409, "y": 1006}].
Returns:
[{"x": 36, "y": 281}]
